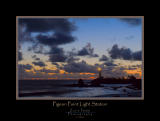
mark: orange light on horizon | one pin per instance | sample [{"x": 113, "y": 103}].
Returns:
[
  {"x": 28, "y": 70},
  {"x": 87, "y": 73},
  {"x": 133, "y": 72},
  {"x": 51, "y": 73},
  {"x": 61, "y": 71},
  {"x": 52, "y": 78},
  {"x": 92, "y": 77}
]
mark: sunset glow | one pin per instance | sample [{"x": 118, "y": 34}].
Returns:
[
  {"x": 80, "y": 57},
  {"x": 133, "y": 72},
  {"x": 59, "y": 52},
  {"x": 87, "y": 73}
]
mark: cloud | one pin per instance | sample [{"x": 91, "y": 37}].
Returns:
[
  {"x": 47, "y": 24},
  {"x": 50, "y": 33},
  {"x": 39, "y": 63},
  {"x": 72, "y": 59},
  {"x": 131, "y": 68},
  {"x": 87, "y": 51},
  {"x": 22, "y": 70},
  {"x": 49, "y": 71},
  {"x": 114, "y": 71},
  {"x": 60, "y": 30},
  {"x": 57, "y": 58},
  {"x": 132, "y": 21},
  {"x": 72, "y": 56},
  {"x": 37, "y": 48},
  {"x": 56, "y": 50},
  {"x": 35, "y": 57},
  {"x": 79, "y": 67},
  {"x": 57, "y": 55},
  {"x": 110, "y": 64},
  {"x": 23, "y": 67},
  {"x": 56, "y": 64},
  {"x": 124, "y": 53},
  {"x": 137, "y": 55},
  {"x": 23, "y": 35},
  {"x": 20, "y": 56},
  {"x": 104, "y": 58},
  {"x": 56, "y": 39}
]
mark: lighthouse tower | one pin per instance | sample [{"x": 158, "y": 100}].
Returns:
[{"x": 100, "y": 71}]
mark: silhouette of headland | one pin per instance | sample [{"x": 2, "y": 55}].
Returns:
[{"x": 135, "y": 83}]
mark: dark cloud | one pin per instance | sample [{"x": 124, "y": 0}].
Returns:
[
  {"x": 124, "y": 53},
  {"x": 60, "y": 28},
  {"x": 132, "y": 21},
  {"x": 60, "y": 33},
  {"x": 95, "y": 55},
  {"x": 79, "y": 67},
  {"x": 55, "y": 39},
  {"x": 72, "y": 59},
  {"x": 35, "y": 57},
  {"x": 23, "y": 67},
  {"x": 114, "y": 71},
  {"x": 55, "y": 63},
  {"x": 110, "y": 64},
  {"x": 137, "y": 55},
  {"x": 87, "y": 51},
  {"x": 114, "y": 52},
  {"x": 107, "y": 61},
  {"x": 47, "y": 24},
  {"x": 39, "y": 63},
  {"x": 71, "y": 56},
  {"x": 104, "y": 58},
  {"x": 56, "y": 50},
  {"x": 23, "y": 35},
  {"x": 122, "y": 68},
  {"x": 57, "y": 58},
  {"x": 83, "y": 52},
  {"x": 49, "y": 71},
  {"x": 132, "y": 68},
  {"x": 57, "y": 55},
  {"x": 20, "y": 56}
]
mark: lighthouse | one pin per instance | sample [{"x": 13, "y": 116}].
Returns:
[{"x": 100, "y": 71}]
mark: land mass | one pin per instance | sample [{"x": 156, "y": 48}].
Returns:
[{"x": 135, "y": 83}]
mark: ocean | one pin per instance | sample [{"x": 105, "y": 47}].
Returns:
[{"x": 58, "y": 88}]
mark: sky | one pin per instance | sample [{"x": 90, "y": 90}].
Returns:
[{"x": 73, "y": 48}]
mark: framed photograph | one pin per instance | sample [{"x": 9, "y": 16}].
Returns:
[{"x": 80, "y": 57}]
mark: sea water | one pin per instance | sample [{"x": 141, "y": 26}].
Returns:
[{"x": 58, "y": 88}]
